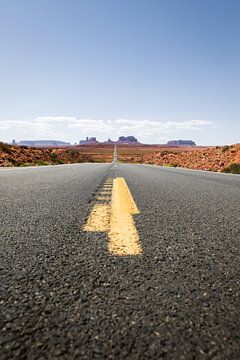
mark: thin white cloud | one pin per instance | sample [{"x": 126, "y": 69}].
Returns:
[{"x": 71, "y": 128}]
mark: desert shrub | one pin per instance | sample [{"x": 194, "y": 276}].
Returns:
[
  {"x": 59, "y": 162},
  {"x": 56, "y": 160},
  {"x": 53, "y": 156},
  {"x": 87, "y": 158},
  {"x": 225, "y": 148},
  {"x": 5, "y": 148},
  {"x": 234, "y": 168},
  {"x": 7, "y": 163},
  {"x": 73, "y": 152},
  {"x": 167, "y": 152},
  {"x": 22, "y": 164},
  {"x": 170, "y": 165},
  {"x": 41, "y": 163}
]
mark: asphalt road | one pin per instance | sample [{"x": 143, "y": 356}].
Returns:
[{"x": 64, "y": 296}]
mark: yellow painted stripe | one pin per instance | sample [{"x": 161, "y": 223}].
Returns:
[
  {"x": 103, "y": 198},
  {"x": 123, "y": 235},
  {"x": 98, "y": 219},
  {"x": 116, "y": 219}
]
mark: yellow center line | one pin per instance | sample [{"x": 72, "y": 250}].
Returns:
[
  {"x": 123, "y": 235},
  {"x": 116, "y": 218},
  {"x": 98, "y": 219},
  {"x": 103, "y": 198}
]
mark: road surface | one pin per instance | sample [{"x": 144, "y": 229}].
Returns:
[{"x": 70, "y": 290}]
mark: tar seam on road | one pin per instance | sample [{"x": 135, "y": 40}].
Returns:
[{"x": 113, "y": 213}]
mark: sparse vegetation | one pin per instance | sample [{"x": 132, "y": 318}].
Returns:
[
  {"x": 225, "y": 148},
  {"x": 232, "y": 169},
  {"x": 5, "y": 148},
  {"x": 41, "y": 163},
  {"x": 55, "y": 160},
  {"x": 170, "y": 165},
  {"x": 54, "y": 156},
  {"x": 87, "y": 158},
  {"x": 22, "y": 164},
  {"x": 73, "y": 152},
  {"x": 167, "y": 152},
  {"x": 59, "y": 162}
]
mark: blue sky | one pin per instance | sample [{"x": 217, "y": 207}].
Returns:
[{"x": 155, "y": 69}]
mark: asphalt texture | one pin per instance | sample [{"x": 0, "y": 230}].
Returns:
[{"x": 63, "y": 296}]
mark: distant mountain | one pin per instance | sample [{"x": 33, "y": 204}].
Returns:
[
  {"x": 181, "y": 143},
  {"x": 35, "y": 143}
]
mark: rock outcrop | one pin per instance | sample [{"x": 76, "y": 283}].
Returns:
[
  {"x": 122, "y": 140},
  {"x": 127, "y": 140},
  {"x": 89, "y": 141}
]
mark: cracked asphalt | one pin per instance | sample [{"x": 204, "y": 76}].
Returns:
[{"x": 63, "y": 296}]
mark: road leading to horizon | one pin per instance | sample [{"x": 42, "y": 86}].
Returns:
[{"x": 76, "y": 285}]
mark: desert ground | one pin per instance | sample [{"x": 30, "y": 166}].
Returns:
[{"x": 219, "y": 158}]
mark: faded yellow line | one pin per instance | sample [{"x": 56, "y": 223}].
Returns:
[
  {"x": 123, "y": 235},
  {"x": 98, "y": 219},
  {"x": 116, "y": 218},
  {"x": 103, "y": 198}
]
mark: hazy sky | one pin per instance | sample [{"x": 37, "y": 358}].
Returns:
[{"x": 156, "y": 69}]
